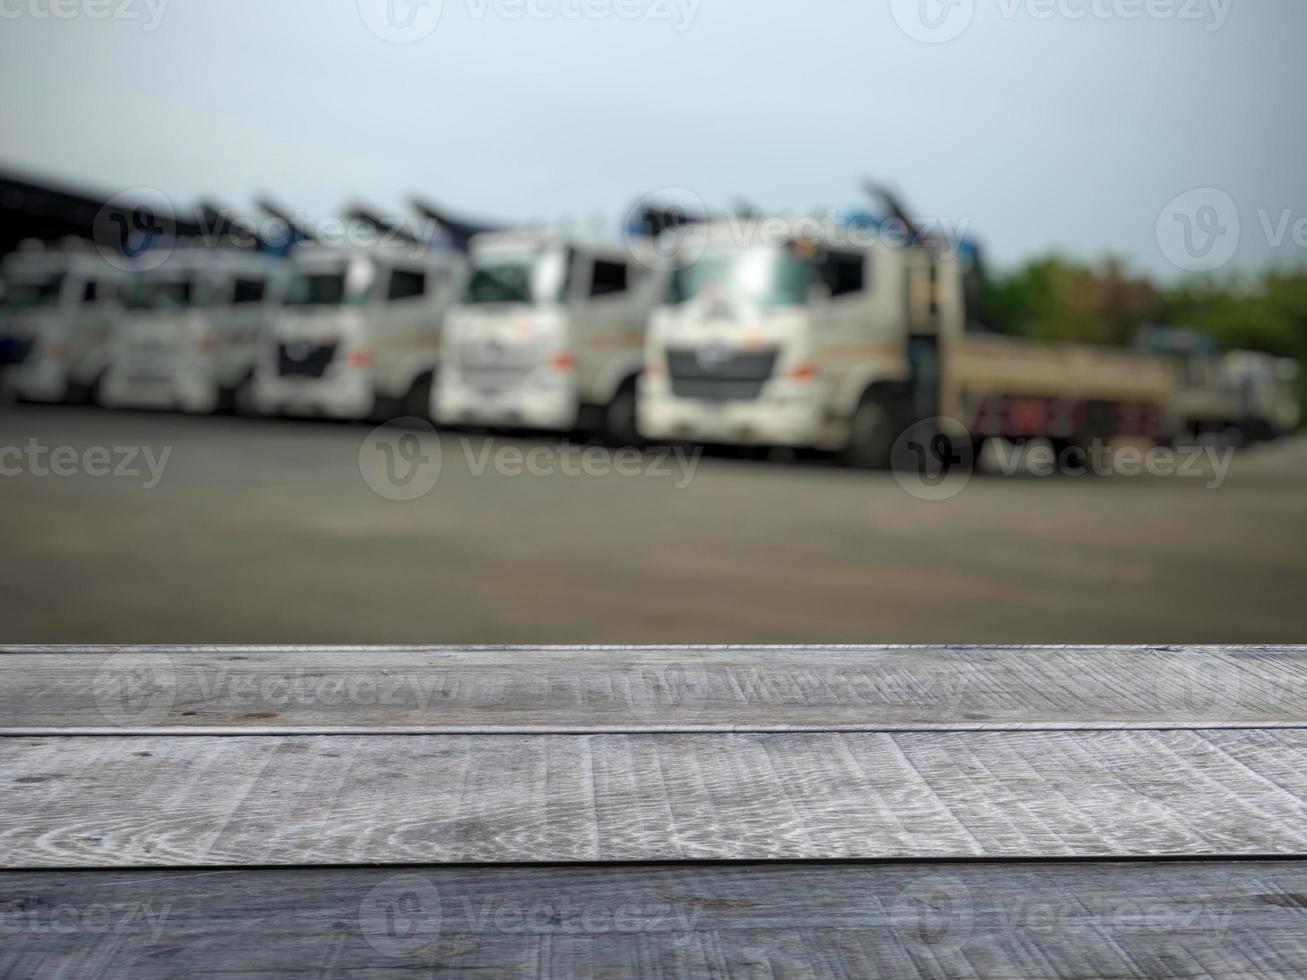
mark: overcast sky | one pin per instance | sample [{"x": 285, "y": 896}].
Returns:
[{"x": 1045, "y": 124}]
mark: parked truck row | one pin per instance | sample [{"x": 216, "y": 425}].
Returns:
[{"x": 707, "y": 330}]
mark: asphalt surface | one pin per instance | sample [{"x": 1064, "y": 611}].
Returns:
[{"x": 268, "y": 531}]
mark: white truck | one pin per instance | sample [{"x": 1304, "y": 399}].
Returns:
[
  {"x": 191, "y": 331},
  {"x": 358, "y": 335},
  {"x": 58, "y": 310},
  {"x": 811, "y": 342},
  {"x": 1268, "y": 393},
  {"x": 549, "y": 336},
  {"x": 1235, "y": 397}
]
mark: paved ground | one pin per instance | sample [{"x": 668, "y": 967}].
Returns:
[{"x": 267, "y": 532}]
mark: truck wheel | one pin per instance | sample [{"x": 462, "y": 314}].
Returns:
[
  {"x": 78, "y": 394},
  {"x": 619, "y": 425},
  {"x": 417, "y": 403},
  {"x": 95, "y": 393},
  {"x": 242, "y": 401},
  {"x": 385, "y": 408},
  {"x": 872, "y": 432}
]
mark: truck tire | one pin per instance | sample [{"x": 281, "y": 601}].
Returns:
[
  {"x": 417, "y": 402},
  {"x": 240, "y": 400},
  {"x": 619, "y": 424},
  {"x": 384, "y": 408},
  {"x": 79, "y": 394},
  {"x": 243, "y": 401},
  {"x": 94, "y": 393},
  {"x": 875, "y": 425}
]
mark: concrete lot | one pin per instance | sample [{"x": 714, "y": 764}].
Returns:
[{"x": 262, "y": 531}]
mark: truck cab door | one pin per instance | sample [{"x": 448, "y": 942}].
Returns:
[{"x": 605, "y": 336}]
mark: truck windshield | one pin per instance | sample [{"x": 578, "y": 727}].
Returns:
[
  {"x": 163, "y": 294},
  {"x": 536, "y": 281},
  {"x": 23, "y": 293},
  {"x": 767, "y": 277},
  {"x": 317, "y": 289}
]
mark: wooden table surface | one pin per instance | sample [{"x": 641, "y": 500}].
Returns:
[{"x": 616, "y": 811}]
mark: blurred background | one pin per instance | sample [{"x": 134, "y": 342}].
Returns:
[{"x": 1132, "y": 178}]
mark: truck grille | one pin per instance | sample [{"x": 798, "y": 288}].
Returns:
[
  {"x": 494, "y": 377},
  {"x": 148, "y": 359},
  {"x": 295, "y": 360},
  {"x": 493, "y": 367},
  {"x": 726, "y": 375}
]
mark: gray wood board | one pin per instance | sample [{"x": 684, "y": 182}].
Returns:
[
  {"x": 217, "y": 690},
  {"x": 1066, "y": 920},
  {"x": 282, "y": 800}
]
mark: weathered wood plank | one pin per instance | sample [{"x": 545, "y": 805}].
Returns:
[
  {"x": 124, "y": 801},
  {"x": 217, "y": 690},
  {"x": 1231, "y": 920}
]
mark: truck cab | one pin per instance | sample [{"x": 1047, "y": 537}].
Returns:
[
  {"x": 799, "y": 343},
  {"x": 549, "y": 336},
  {"x": 1233, "y": 396},
  {"x": 1268, "y": 393},
  {"x": 358, "y": 334},
  {"x": 191, "y": 331},
  {"x": 58, "y": 311}
]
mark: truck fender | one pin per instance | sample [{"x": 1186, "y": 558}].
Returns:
[
  {"x": 407, "y": 370},
  {"x": 868, "y": 382},
  {"x": 614, "y": 375}
]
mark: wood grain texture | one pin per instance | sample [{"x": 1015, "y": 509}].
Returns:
[
  {"x": 219, "y": 690},
  {"x": 278, "y": 800},
  {"x": 1171, "y": 920}
]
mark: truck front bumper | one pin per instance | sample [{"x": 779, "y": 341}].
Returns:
[
  {"x": 38, "y": 380},
  {"x": 344, "y": 396},
  {"x": 549, "y": 405},
  {"x": 776, "y": 418}
]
